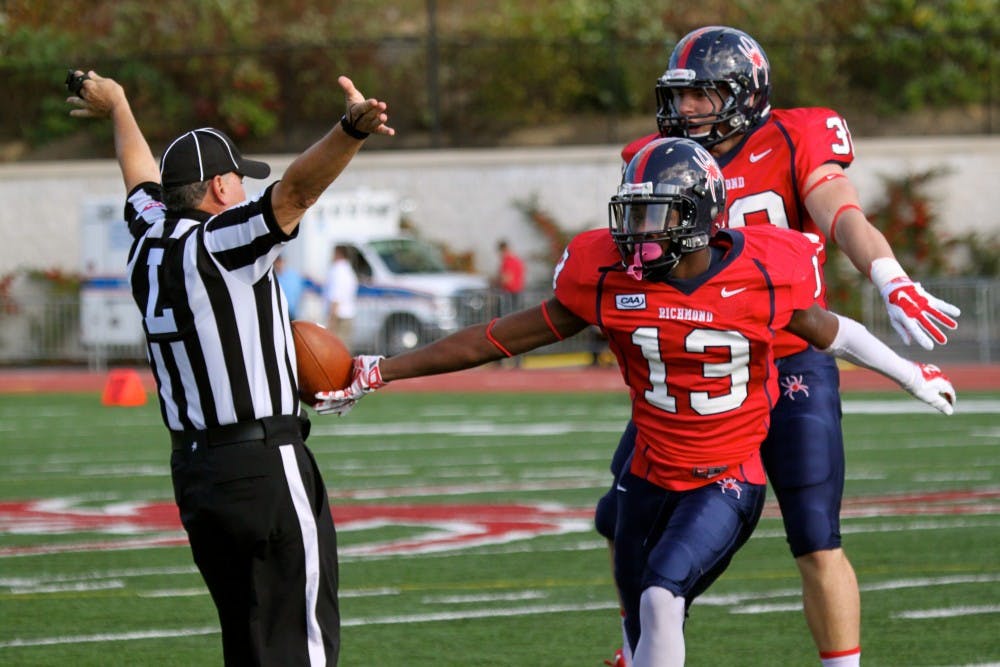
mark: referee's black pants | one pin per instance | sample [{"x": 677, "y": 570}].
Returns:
[{"x": 258, "y": 519}]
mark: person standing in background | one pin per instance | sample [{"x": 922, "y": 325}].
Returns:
[
  {"x": 510, "y": 278},
  {"x": 293, "y": 284},
  {"x": 341, "y": 293},
  {"x": 510, "y": 281}
]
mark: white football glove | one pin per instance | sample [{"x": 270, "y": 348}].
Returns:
[
  {"x": 913, "y": 312},
  {"x": 932, "y": 387},
  {"x": 366, "y": 378}
]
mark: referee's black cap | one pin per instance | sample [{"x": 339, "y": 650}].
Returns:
[{"x": 200, "y": 154}]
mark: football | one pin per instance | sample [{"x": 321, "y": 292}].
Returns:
[{"x": 324, "y": 362}]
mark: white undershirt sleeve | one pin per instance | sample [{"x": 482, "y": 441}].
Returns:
[{"x": 857, "y": 345}]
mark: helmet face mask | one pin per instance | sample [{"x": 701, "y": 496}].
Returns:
[
  {"x": 668, "y": 205},
  {"x": 712, "y": 126},
  {"x": 729, "y": 65},
  {"x": 652, "y": 229}
]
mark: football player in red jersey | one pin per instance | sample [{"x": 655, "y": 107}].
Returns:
[
  {"x": 690, "y": 314},
  {"x": 785, "y": 168}
]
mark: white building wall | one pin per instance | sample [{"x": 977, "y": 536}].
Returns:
[{"x": 465, "y": 198}]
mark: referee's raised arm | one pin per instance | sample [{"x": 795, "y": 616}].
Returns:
[
  {"x": 315, "y": 169},
  {"x": 98, "y": 97}
]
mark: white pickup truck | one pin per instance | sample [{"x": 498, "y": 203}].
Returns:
[{"x": 406, "y": 295}]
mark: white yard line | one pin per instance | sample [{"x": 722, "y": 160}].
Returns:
[
  {"x": 110, "y": 637},
  {"x": 976, "y": 406},
  {"x": 948, "y": 612},
  {"x": 517, "y": 596}
]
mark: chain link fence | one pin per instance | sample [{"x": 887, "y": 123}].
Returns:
[
  {"x": 47, "y": 330},
  {"x": 977, "y": 339}
]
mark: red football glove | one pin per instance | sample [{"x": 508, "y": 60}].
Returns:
[
  {"x": 933, "y": 387},
  {"x": 366, "y": 378},
  {"x": 913, "y": 313}
]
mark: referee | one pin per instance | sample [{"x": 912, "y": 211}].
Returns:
[{"x": 219, "y": 342}]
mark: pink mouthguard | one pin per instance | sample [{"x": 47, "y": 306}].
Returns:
[{"x": 644, "y": 252}]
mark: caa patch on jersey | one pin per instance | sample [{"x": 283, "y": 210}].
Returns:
[{"x": 630, "y": 301}]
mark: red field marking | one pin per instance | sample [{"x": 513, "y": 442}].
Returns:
[
  {"x": 436, "y": 527},
  {"x": 966, "y": 377}
]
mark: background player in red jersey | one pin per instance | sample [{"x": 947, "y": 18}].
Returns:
[
  {"x": 785, "y": 167},
  {"x": 691, "y": 319}
]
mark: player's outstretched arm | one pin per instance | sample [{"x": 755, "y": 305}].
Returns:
[
  {"x": 473, "y": 346},
  {"x": 847, "y": 339},
  {"x": 315, "y": 169},
  {"x": 95, "y": 96},
  {"x": 915, "y": 315},
  {"x": 478, "y": 344}
]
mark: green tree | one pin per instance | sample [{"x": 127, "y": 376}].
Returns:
[
  {"x": 264, "y": 71},
  {"x": 911, "y": 55}
]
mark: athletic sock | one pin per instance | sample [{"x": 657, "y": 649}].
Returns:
[
  {"x": 848, "y": 658},
  {"x": 661, "y": 618},
  {"x": 626, "y": 647}
]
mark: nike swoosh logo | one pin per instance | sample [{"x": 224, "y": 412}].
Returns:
[
  {"x": 726, "y": 292},
  {"x": 756, "y": 157},
  {"x": 621, "y": 488}
]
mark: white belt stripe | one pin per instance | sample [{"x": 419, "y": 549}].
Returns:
[{"x": 310, "y": 544}]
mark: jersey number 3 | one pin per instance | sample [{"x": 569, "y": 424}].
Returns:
[
  {"x": 737, "y": 369},
  {"x": 768, "y": 203}
]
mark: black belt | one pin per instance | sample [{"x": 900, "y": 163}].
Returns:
[{"x": 261, "y": 429}]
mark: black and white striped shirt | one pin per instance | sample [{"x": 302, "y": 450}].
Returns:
[{"x": 217, "y": 330}]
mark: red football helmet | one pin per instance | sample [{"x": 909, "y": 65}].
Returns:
[{"x": 720, "y": 59}]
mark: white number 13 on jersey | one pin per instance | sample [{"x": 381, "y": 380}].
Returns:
[{"x": 737, "y": 369}]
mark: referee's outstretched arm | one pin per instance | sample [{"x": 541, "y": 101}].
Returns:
[
  {"x": 316, "y": 168},
  {"x": 98, "y": 97}
]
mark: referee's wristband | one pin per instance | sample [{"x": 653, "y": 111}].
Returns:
[{"x": 351, "y": 130}]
